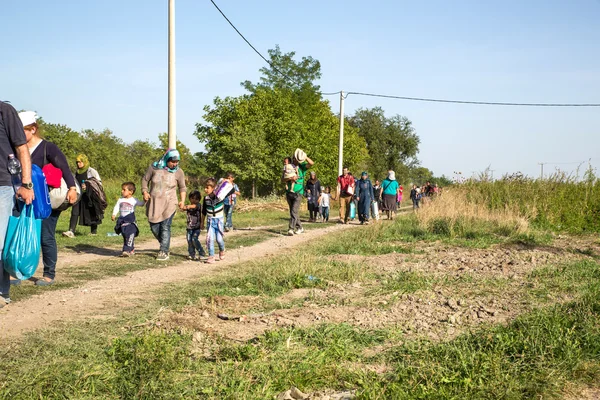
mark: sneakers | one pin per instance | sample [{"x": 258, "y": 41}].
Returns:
[
  {"x": 226, "y": 229},
  {"x": 162, "y": 256},
  {"x": 127, "y": 253},
  {"x": 300, "y": 231},
  {"x": 210, "y": 260},
  {"x": 221, "y": 255},
  {"x": 290, "y": 232},
  {"x": 69, "y": 234}
]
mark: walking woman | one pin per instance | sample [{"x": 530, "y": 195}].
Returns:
[
  {"x": 42, "y": 153},
  {"x": 365, "y": 196},
  {"x": 389, "y": 191},
  {"x": 90, "y": 210},
  {"x": 159, "y": 187},
  {"x": 313, "y": 192}
]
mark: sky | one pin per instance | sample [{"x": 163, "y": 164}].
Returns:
[{"x": 103, "y": 64}]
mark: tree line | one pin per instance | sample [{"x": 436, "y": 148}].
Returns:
[{"x": 250, "y": 134}]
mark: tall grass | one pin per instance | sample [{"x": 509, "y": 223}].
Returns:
[{"x": 560, "y": 202}]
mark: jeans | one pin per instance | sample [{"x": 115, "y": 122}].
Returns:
[
  {"x": 214, "y": 231},
  {"x": 7, "y": 201},
  {"x": 294, "y": 200},
  {"x": 345, "y": 208},
  {"x": 415, "y": 203},
  {"x": 194, "y": 243},
  {"x": 49, "y": 249},
  {"x": 324, "y": 213},
  {"x": 228, "y": 211},
  {"x": 162, "y": 233}
]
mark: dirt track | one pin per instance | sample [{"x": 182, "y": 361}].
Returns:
[{"x": 106, "y": 297}]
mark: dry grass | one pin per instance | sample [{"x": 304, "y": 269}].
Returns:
[{"x": 455, "y": 213}]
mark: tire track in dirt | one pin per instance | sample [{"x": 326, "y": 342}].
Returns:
[{"x": 106, "y": 297}]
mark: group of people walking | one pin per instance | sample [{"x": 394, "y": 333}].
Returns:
[{"x": 163, "y": 192}]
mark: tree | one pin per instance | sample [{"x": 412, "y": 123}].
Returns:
[
  {"x": 391, "y": 142},
  {"x": 303, "y": 74},
  {"x": 251, "y": 134}
]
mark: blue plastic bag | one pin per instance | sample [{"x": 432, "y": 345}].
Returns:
[
  {"x": 42, "y": 206},
  {"x": 21, "y": 253}
]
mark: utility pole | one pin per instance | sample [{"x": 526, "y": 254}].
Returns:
[
  {"x": 341, "y": 152},
  {"x": 172, "y": 114},
  {"x": 492, "y": 171},
  {"x": 542, "y": 170}
]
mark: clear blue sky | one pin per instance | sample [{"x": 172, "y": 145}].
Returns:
[{"x": 103, "y": 64}]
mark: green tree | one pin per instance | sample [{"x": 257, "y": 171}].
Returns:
[
  {"x": 299, "y": 75},
  {"x": 251, "y": 134},
  {"x": 392, "y": 143}
]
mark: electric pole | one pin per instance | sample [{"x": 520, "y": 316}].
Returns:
[
  {"x": 542, "y": 170},
  {"x": 341, "y": 151},
  {"x": 172, "y": 132}
]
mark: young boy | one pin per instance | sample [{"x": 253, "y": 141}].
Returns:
[
  {"x": 324, "y": 204},
  {"x": 213, "y": 208},
  {"x": 126, "y": 224},
  {"x": 194, "y": 227}
]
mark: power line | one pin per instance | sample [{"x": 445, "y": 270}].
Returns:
[
  {"x": 486, "y": 103},
  {"x": 259, "y": 53}
]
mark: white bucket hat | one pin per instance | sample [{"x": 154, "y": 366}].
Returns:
[
  {"x": 392, "y": 176},
  {"x": 28, "y": 117}
]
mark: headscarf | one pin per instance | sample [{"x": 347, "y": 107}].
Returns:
[
  {"x": 391, "y": 176},
  {"x": 162, "y": 163},
  {"x": 86, "y": 163}
]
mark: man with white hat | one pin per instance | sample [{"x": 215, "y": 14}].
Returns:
[
  {"x": 12, "y": 141},
  {"x": 294, "y": 189}
]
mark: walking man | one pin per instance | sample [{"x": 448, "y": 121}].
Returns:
[
  {"x": 294, "y": 189},
  {"x": 345, "y": 192}
]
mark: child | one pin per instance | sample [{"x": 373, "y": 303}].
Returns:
[
  {"x": 213, "y": 208},
  {"x": 289, "y": 170},
  {"x": 126, "y": 224},
  {"x": 324, "y": 204},
  {"x": 194, "y": 227}
]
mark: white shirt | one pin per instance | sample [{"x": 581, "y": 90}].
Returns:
[
  {"x": 324, "y": 200},
  {"x": 126, "y": 206}
]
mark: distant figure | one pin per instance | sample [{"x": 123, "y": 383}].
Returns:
[
  {"x": 399, "y": 197},
  {"x": 88, "y": 212},
  {"x": 294, "y": 187},
  {"x": 365, "y": 196},
  {"x": 230, "y": 202},
  {"x": 415, "y": 196},
  {"x": 345, "y": 192},
  {"x": 127, "y": 224},
  {"x": 324, "y": 203},
  {"x": 160, "y": 185},
  {"x": 194, "y": 226},
  {"x": 313, "y": 186},
  {"x": 389, "y": 192}
]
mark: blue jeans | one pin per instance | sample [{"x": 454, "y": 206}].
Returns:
[
  {"x": 214, "y": 231},
  {"x": 228, "y": 211},
  {"x": 194, "y": 243},
  {"x": 7, "y": 201},
  {"x": 162, "y": 233},
  {"x": 49, "y": 249}
]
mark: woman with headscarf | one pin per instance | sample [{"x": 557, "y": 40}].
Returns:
[
  {"x": 159, "y": 187},
  {"x": 87, "y": 212},
  {"x": 389, "y": 191},
  {"x": 313, "y": 192},
  {"x": 365, "y": 196},
  {"x": 43, "y": 153}
]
